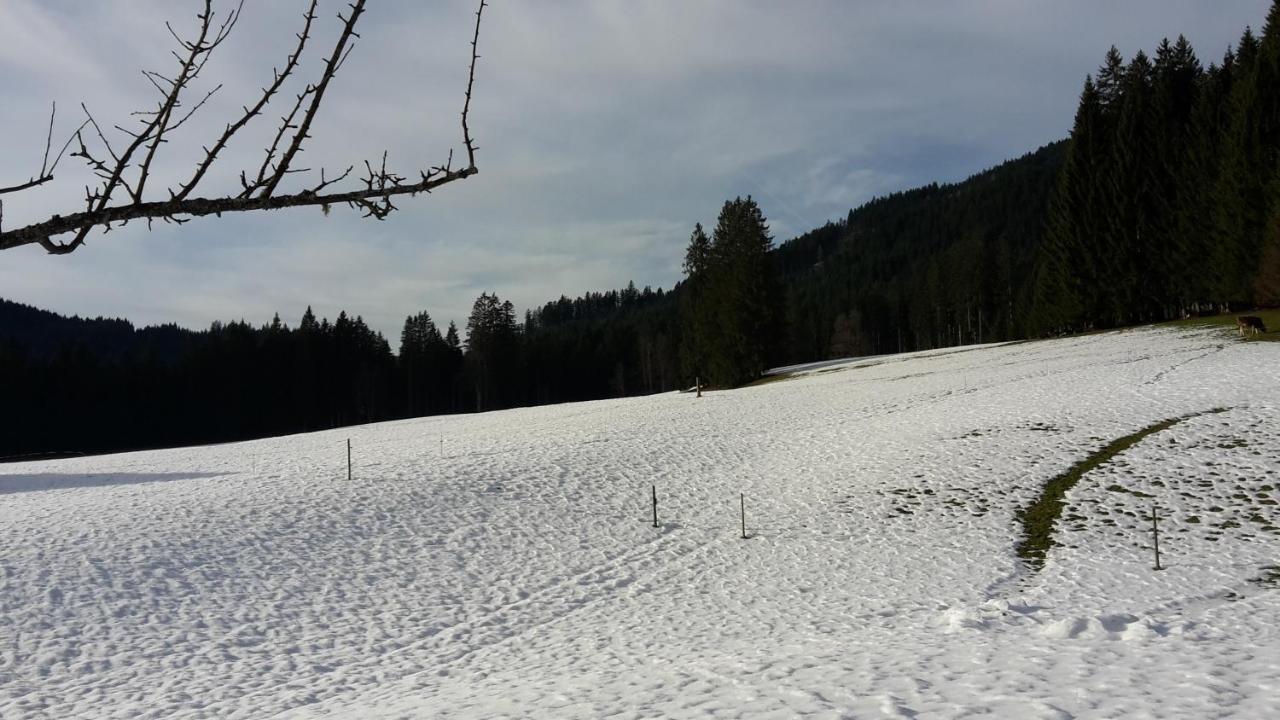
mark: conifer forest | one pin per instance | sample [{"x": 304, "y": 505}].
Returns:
[{"x": 1163, "y": 203}]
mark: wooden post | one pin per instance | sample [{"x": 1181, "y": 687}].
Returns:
[
  {"x": 1155, "y": 535},
  {"x": 348, "y": 458},
  {"x": 655, "y": 506},
  {"x": 698, "y": 383},
  {"x": 742, "y": 502}
]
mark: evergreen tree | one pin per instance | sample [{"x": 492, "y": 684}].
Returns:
[
  {"x": 308, "y": 324},
  {"x": 696, "y": 313},
  {"x": 1134, "y": 266},
  {"x": 1111, "y": 80},
  {"x": 491, "y": 344},
  {"x": 421, "y": 363},
  {"x": 1238, "y": 195},
  {"x": 1201, "y": 274},
  {"x": 742, "y": 294},
  {"x": 1178, "y": 79},
  {"x": 1071, "y": 264}
]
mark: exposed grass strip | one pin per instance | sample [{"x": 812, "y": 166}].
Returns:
[
  {"x": 1270, "y": 318},
  {"x": 1038, "y": 519}
]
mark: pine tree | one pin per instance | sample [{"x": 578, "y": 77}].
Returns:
[
  {"x": 1133, "y": 268},
  {"x": 420, "y": 345},
  {"x": 1203, "y": 269},
  {"x": 1111, "y": 80},
  {"x": 1069, "y": 266},
  {"x": 743, "y": 295},
  {"x": 492, "y": 342},
  {"x": 308, "y": 324},
  {"x": 696, "y": 314},
  {"x": 1238, "y": 194},
  {"x": 1178, "y": 80}
]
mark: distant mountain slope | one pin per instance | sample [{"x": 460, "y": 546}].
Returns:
[{"x": 937, "y": 265}]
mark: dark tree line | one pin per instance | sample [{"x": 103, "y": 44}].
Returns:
[
  {"x": 79, "y": 385},
  {"x": 1169, "y": 200},
  {"x": 74, "y": 385}
]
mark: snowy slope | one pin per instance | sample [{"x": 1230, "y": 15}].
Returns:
[{"x": 505, "y": 564}]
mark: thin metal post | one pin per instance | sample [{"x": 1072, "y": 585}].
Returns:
[
  {"x": 1155, "y": 535},
  {"x": 742, "y": 501},
  {"x": 348, "y": 458},
  {"x": 655, "y": 506}
]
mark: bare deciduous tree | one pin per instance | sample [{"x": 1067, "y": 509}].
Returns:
[{"x": 124, "y": 173}]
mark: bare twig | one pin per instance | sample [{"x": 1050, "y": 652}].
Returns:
[
  {"x": 471, "y": 80},
  {"x": 280, "y": 76},
  {"x": 330, "y": 69},
  {"x": 46, "y": 170}
]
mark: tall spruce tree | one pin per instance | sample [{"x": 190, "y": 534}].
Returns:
[
  {"x": 1070, "y": 265},
  {"x": 1132, "y": 263},
  {"x": 492, "y": 345},
  {"x": 422, "y": 351},
  {"x": 743, "y": 295},
  {"x": 1200, "y": 277},
  {"x": 1177, "y": 82},
  {"x": 696, "y": 312},
  {"x": 1238, "y": 197}
]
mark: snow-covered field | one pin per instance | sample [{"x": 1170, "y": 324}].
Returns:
[{"x": 505, "y": 564}]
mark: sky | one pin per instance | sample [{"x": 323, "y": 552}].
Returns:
[{"x": 606, "y": 129}]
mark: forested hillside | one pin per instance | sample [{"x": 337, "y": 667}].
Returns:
[
  {"x": 1165, "y": 201},
  {"x": 938, "y": 265}
]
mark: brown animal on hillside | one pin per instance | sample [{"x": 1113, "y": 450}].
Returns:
[{"x": 1250, "y": 324}]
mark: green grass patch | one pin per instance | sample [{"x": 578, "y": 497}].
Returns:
[
  {"x": 1270, "y": 318},
  {"x": 1270, "y": 576},
  {"x": 1039, "y": 518},
  {"x": 770, "y": 379},
  {"x": 1123, "y": 489}
]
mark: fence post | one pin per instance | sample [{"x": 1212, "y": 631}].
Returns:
[
  {"x": 742, "y": 502},
  {"x": 698, "y": 382},
  {"x": 655, "y": 506},
  {"x": 1155, "y": 534},
  {"x": 348, "y": 458}
]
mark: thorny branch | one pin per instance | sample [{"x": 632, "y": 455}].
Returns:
[{"x": 130, "y": 169}]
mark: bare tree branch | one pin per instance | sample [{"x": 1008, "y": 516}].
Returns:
[
  {"x": 471, "y": 81},
  {"x": 197, "y": 207},
  {"x": 131, "y": 169},
  {"x": 46, "y": 170},
  {"x": 317, "y": 96},
  {"x": 280, "y": 76}
]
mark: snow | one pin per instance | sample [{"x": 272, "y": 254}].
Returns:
[{"x": 505, "y": 564}]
